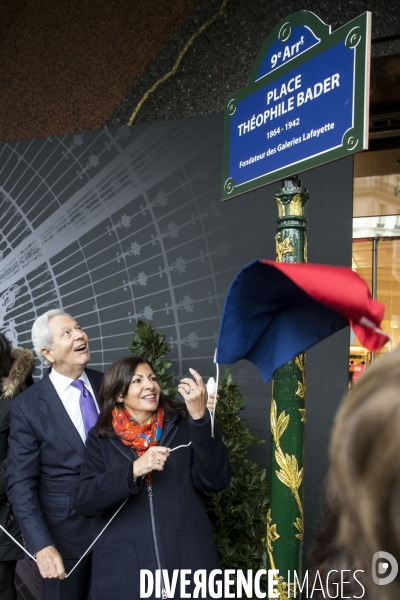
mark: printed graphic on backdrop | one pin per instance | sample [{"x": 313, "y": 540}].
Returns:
[
  {"x": 306, "y": 103},
  {"x": 126, "y": 224},
  {"x": 115, "y": 226}
]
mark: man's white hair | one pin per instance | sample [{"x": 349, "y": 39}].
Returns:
[{"x": 41, "y": 335}]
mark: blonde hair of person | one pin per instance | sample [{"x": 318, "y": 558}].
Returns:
[{"x": 365, "y": 469}]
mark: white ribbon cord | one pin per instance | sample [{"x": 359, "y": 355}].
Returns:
[
  {"x": 93, "y": 543},
  {"x": 101, "y": 532},
  {"x": 212, "y": 413},
  {"x": 83, "y": 555},
  {"x": 18, "y": 544},
  {"x": 177, "y": 448}
]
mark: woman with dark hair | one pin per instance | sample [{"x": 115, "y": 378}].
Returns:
[
  {"x": 158, "y": 455},
  {"x": 16, "y": 368}
]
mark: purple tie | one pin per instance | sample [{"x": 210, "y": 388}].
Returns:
[{"x": 87, "y": 405}]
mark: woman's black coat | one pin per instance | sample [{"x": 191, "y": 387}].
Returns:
[
  {"x": 18, "y": 379},
  {"x": 182, "y": 528}
]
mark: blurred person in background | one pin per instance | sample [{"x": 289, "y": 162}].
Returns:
[
  {"x": 328, "y": 559},
  {"x": 365, "y": 474},
  {"x": 16, "y": 366}
]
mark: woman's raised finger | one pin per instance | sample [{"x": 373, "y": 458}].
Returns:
[{"x": 197, "y": 378}]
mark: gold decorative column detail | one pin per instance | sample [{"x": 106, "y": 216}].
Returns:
[
  {"x": 287, "y": 415},
  {"x": 301, "y": 385},
  {"x": 282, "y": 248},
  {"x": 296, "y": 206}
]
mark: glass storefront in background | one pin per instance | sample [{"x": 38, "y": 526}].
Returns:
[{"x": 376, "y": 241}]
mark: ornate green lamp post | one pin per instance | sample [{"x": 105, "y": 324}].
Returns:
[
  {"x": 285, "y": 519},
  {"x": 270, "y": 125}
]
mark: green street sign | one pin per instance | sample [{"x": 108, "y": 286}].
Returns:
[{"x": 306, "y": 103}]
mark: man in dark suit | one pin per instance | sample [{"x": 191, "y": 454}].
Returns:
[{"x": 49, "y": 424}]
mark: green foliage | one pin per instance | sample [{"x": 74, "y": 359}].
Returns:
[
  {"x": 151, "y": 345},
  {"x": 238, "y": 514},
  {"x": 237, "y": 436}
]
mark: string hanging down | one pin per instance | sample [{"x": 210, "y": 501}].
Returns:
[
  {"x": 212, "y": 388},
  {"x": 18, "y": 544},
  {"x": 95, "y": 540},
  {"x": 83, "y": 555}
]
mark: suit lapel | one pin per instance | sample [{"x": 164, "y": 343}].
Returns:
[{"x": 54, "y": 411}]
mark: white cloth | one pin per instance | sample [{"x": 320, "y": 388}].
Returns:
[{"x": 69, "y": 396}]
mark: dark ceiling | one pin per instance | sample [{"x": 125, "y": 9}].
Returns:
[{"x": 77, "y": 65}]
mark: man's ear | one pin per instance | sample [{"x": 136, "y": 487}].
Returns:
[{"x": 47, "y": 354}]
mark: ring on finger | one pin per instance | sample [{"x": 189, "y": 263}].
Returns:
[
  {"x": 158, "y": 462},
  {"x": 188, "y": 391}
]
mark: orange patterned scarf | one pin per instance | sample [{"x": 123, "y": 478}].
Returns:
[{"x": 133, "y": 434}]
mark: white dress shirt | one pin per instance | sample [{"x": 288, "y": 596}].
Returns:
[{"x": 69, "y": 396}]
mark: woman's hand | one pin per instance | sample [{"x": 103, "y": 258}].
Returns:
[
  {"x": 194, "y": 393},
  {"x": 152, "y": 460}
]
